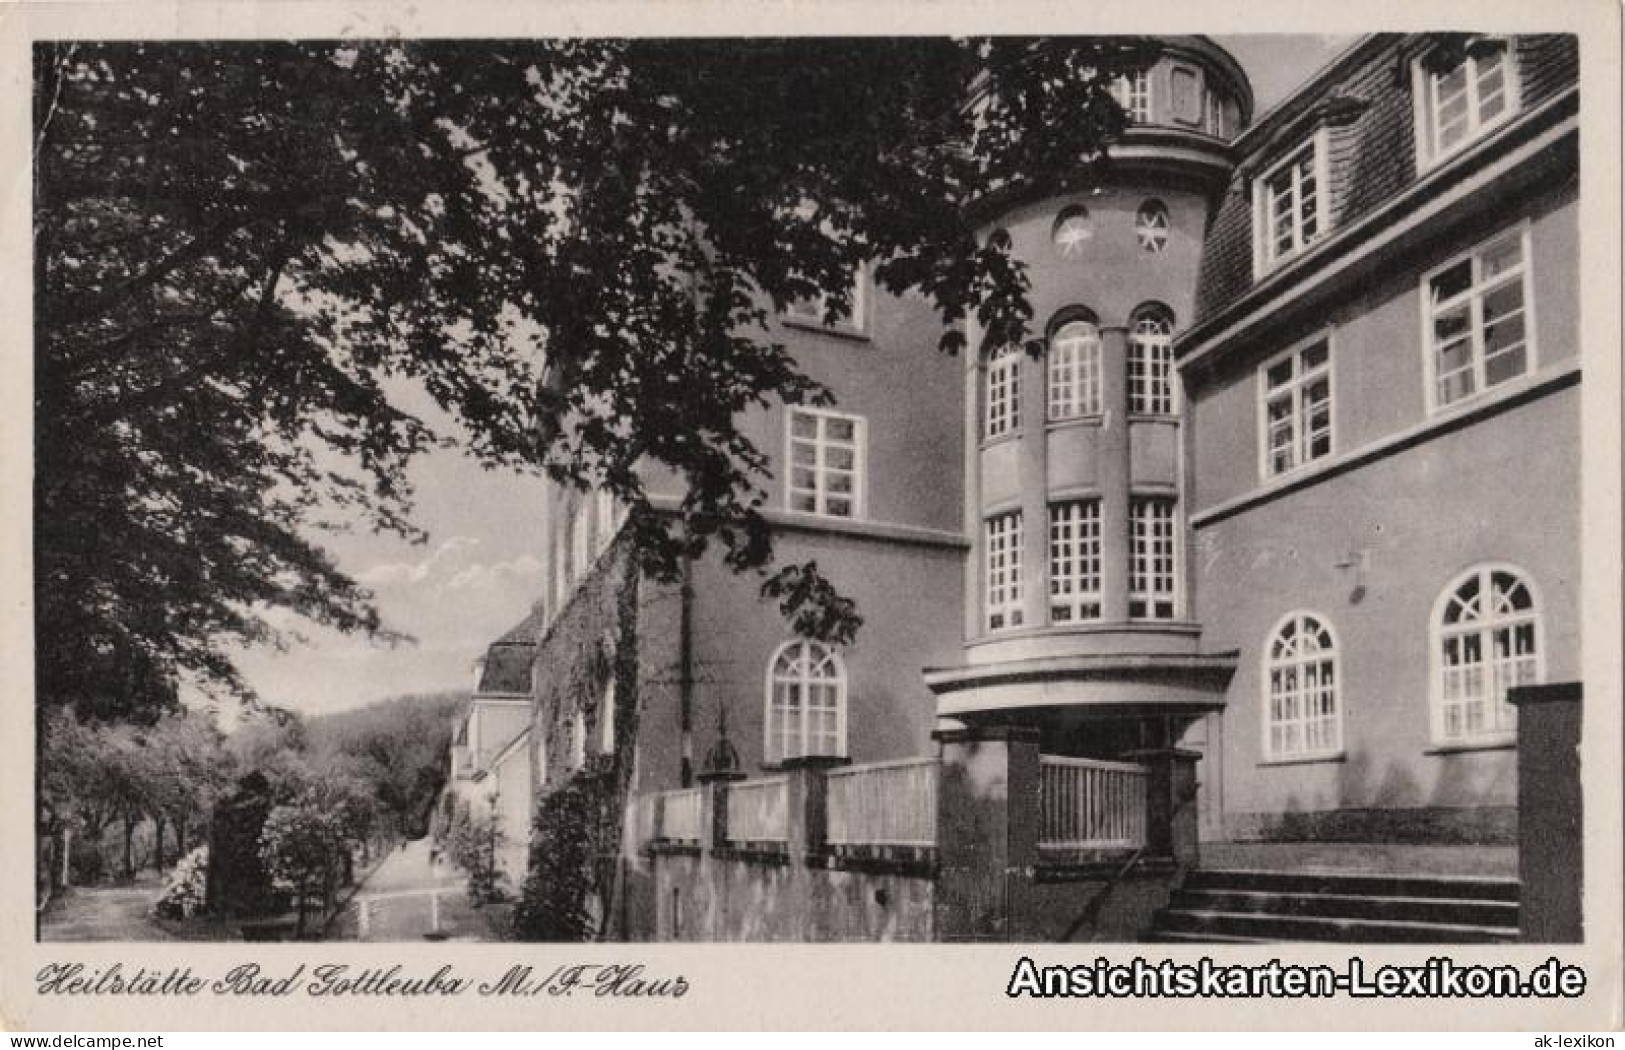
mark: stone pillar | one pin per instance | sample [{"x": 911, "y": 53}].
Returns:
[
  {"x": 1034, "y": 491},
  {"x": 714, "y": 808},
  {"x": 1171, "y": 812},
  {"x": 1550, "y": 828},
  {"x": 807, "y": 789},
  {"x": 975, "y": 387},
  {"x": 987, "y": 832},
  {"x": 1114, "y": 474}
]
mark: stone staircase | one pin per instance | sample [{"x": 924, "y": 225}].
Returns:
[{"x": 1235, "y": 906}]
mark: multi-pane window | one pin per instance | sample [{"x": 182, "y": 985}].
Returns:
[
  {"x": 1477, "y": 319},
  {"x": 1152, "y": 594},
  {"x": 1074, "y": 371},
  {"x": 1292, "y": 205},
  {"x": 1301, "y": 714},
  {"x": 1003, "y": 393},
  {"x": 1004, "y": 571},
  {"x": 826, "y": 452},
  {"x": 1151, "y": 226},
  {"x": 1074, "y": 561},
  {"x": 1487, "y": 641},
  {"x": 1151, "y": 365},
  {"x": 1297, "y": 408},
  {"x": 1134, "y": 95},
  {"x": 806, "y": 702},
  {"x": 1461, "y": 101}
]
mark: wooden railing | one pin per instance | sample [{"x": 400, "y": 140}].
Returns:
[
  {"x": 758, "y": 810},
  {"x": 679, "y": 815},
  {"x": 883, "y": 804},
  {"x": 1088, "y": 804}
]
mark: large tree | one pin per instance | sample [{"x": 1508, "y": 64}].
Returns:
[{"x": 573, "y": 246}]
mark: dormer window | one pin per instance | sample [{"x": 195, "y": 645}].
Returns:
[
  {"x": 1460, "y": 98},
  {"x": 1290, "y": 205}
]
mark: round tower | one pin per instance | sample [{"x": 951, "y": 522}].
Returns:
[{"x": 1076, "y": 588}]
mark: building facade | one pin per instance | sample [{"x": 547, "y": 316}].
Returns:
[
  {"x": 1294, "y": 483},
  {"x": 1382, "y": 379}
]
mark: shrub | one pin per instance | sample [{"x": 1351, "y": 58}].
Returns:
[
  {"x": 474, "y": 843},
  {"x": 184, "y": 886},
  {"x": 554, "y": 904}
]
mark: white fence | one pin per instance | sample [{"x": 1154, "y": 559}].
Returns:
[
  {"x": 1087, "y": 804},
  {"x": 758, "y": 810},
  {"x": 883, "y": 803},
  {"x": 680, "y": 815}
]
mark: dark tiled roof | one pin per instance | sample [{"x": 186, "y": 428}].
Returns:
[
  {"x": 1371, "y": 159},
  {"x": 507, "y": 668},
  {"x": 527, "y": 630}
]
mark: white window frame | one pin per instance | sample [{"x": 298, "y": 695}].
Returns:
[
  {"x": 605, "y": 511},
  {"x": 1002, "y": 584},
  {"x": 580, "y": 540},
  {"x": 1001, "y": 413},
  {"x": 1198, "y": 97},
  {"x": 1076, "y": 567},
  {"x": 1301, "y": 694},
  {"x": 1143, "y": 558},
  {"x": 1074, "y": 371},
  {"x": 809, "y": 313},
  {"x": 1265, "y": 256},
  {"x": 1214, "y": 115},
  {"x": 821, "y": 444},
  {"x": 606, "y": 717},
  {"x": 1154, "y": 356},
  {"x": 1474, "y": 296},
  {"x": 1152, "y": 239},
  {"x": 1296, "y": 389},
  {"x": 800, "y": 658},
  {"x": 1134, "y": 94},
  {"x": 578, "y": 741},
  {"x": 1425, "y": 105},
  {"x": 1500, "y": 723}
]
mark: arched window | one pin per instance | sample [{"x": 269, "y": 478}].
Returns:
[
  {"x": 1072, "y": 231},
  {"x": 1486, "y": 640},
  {"x": 1151, "y": 226},
  {"x": 1151, "y": 362},
  {"x": 1302, "y": 715},
  {"x": 1074, "y": 370},
  {"x": 806, "y": 702}
]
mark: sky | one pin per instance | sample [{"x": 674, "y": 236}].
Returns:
[{"x": 481, "y": 567}]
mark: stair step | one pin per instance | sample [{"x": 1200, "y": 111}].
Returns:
[
  {"x": 1311, "y": 928},
  {"x": 1448, "y": 910},
  {"x": 1356, "y": 884},
  {"x": 1181, "y": 937}
]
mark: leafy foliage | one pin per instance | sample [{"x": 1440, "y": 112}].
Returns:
[
  {"x": 184, "y": 888},
  {"x": 397, "y": 747},
  {"x": 554, "y": 902},
  {"x": 576, "y": 247},
  {"x": 474, "y": 840}
]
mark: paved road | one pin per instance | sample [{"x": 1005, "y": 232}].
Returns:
[
  {"x": 407, "y": 898},
  {"x": 105, "y": 913}
]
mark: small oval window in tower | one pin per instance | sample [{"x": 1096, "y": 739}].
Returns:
[
  {"x": 1151, "y": 226},
  {"x": 1072, "y": 230}
]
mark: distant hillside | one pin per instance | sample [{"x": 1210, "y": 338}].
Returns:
[{"x": 398, "y": 744}]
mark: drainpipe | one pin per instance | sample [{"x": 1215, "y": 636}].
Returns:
[{"x": 685, "y": 672}]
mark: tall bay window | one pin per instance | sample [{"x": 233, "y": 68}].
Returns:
[
  {"x": 1153, "y": 572},
  {"x": 1003, "y": 551},
  {"x": 1074, "y": 561}
]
